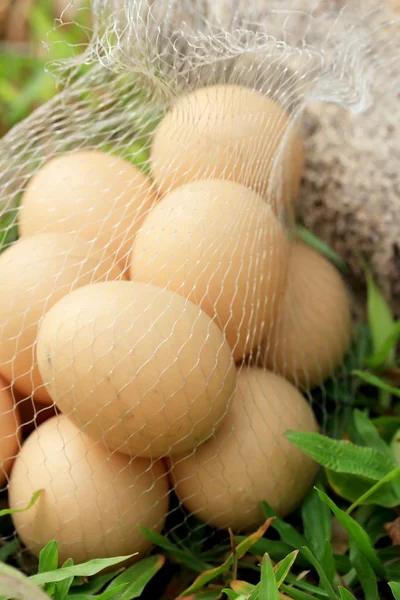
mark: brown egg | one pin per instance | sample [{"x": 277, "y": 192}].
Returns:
[
  {"x": 313, "y": 330},
  {"x": 249, "y": 460},
  {"x": 140, "y": 368},
  {"x": 93, "y": 503},
  {"x": 229, "y": 132},
  {"x": 10, "y": 432},
  {"x": 36, "y": 272},
  {"x": 220, "y": 245},
  {"x": 97, "y": 196}
]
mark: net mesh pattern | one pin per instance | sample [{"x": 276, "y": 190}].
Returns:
[{"x": 161, "y": 327}]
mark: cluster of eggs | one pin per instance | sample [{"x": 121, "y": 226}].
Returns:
[{"x": 170, "y": 322}]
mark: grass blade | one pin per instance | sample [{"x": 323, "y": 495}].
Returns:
[
  {"x": 283, "y": 567},
  {"x": 365, "y": 573},
  {"x": 92, "y": 567},
  {"x": 62, "y": 588},
  {"x": 341, "y": 456},
  {"x": 387, "y": 479},
  {"x": 268, "y": 585},
  {"x": 327, "y": 562},
  {"x": 288, "y": 533},
  {"x": 358, "y": 489},
  {"x": 345, "y": 594},
  {"x": 384, "y": 355},
  {"x": 182, "y": 556},
  {"x": 356, "y": 533},
  {"x": 48, "y": 557},
  {"x": 241, "y": 550},
  {"x": 137, "y": 577},
  {"x": 321, "y": 573},
  {"x": 317, "y": 522},
  {"x": 114, "y": 594},
  {"x": 320, "y": 246},
  {"x": 296, "y": 594},
  {"x": 395, "y": 587},
  {"x": 377, "y": 382},
  {"x": 12, "y": 511},
  {"x": 380, "y": 318}
]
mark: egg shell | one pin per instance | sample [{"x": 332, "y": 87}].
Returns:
[
  {"x": 35, "y": 273},
  {"x": 32, "y": 413},
  {"x": 220, "y": 245},
  {"x": 140, "y": 368},
  {"x": 229, "y": 132},
  {"x": 249, "y": 460},
  {"x": 10, "y": 431},
  {"x": 93, "y": 503},
  {"x": 313, "y": 329},
  {"x": 100, "y": 197}
]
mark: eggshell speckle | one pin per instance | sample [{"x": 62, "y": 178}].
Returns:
[{"x": 93, "y": 503}]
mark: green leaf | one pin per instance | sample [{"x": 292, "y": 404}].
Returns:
[
  {"x": 16, "y": 586},
  {"x": 395, "y": 587},
  {"x": 341, "y": 456},
  {"x": 352, "y": 488},
  {"x": 241, "y": 550},
  {"x": 13, "y": 511},
  {"x": 276, "y": 549},
  {"x": 377, "y": 382},
  {"x": 385, "y": 354},
  {"x": 137, "y": 577},
  {"x": 96, "y": 584},
  {"x": 114, "y": 594},
  {"x": 283, "y": 567},
  {"x": 345, "y": 594},
  {"x": 368, "y": 433},
  {"x": 295, "y": 593},
  {"x": 48, "y": 557},
  {"x": 387, "y": 426},
  {"x": 390, "y": 477},
  {"x": 305, "y": 586},
  {"x": 395, "y": 447},
  {"x": 380, "y": 318},
  {"x": 233, "y": 595},
  {"x": 365, "y": 573},
  {"x": 182, "y": 556},
  {"x": 356, "y": 533},
  {"x": 92, "y": 567},
  {"x": 312, "y": 240},
  {"x": 206, "y": 595},
  {"x": 327, "y": 562},
  {"x": 288, "y": 533},
  {"x": 62, "y": 588},
  {"x": 321, "y": 573},
  {"x": 242, "y": 587},
  {"x": 317, "y": 522},
  {"x": 268, "y": 585}
]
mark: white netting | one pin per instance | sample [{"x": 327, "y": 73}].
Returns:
[{"x": 157, "y": 295}]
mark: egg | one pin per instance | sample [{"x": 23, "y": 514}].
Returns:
[
  {"x": 249, "y": 459},
  {"x": 100, "y": 197},
  {"x": 138, "y": 367},
  {"x": 36, "y": 272},
  {"x": 93, "y": 503},
  {"x": 219, "y": 244},
  {"x": 32, "y": 413},
  {"x": 229, "y": 132},
  {"x": 313, "y": 330},
  {"x": 10, "y": 433}
]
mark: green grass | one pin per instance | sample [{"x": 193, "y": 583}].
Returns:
[{"x": 358, "y": 484}]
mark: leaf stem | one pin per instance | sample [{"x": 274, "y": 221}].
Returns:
[{"x": 386, "y": 479}]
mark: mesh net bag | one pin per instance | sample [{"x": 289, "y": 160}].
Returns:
[{"x": 162, "y": 326}]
